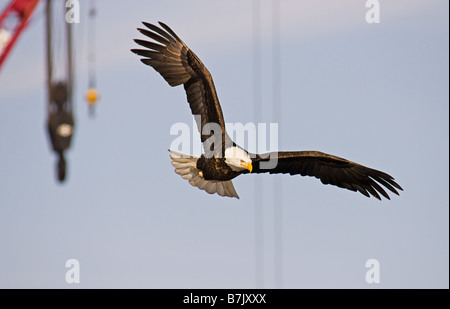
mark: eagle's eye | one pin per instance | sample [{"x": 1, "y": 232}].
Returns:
[{"x": 242, "y": 161}]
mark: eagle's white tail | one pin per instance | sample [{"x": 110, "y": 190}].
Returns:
[{"x": 186, "y": 167}]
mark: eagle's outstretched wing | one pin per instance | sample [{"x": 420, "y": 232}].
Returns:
[
  {"x": 329, "y": 169},
  {"x": 168, "y": 55}
]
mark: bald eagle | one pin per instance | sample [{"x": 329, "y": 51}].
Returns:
[{"x": 223, "y": 159}]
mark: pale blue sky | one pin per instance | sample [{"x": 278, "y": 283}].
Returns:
[{"x": 374, "y": 94}]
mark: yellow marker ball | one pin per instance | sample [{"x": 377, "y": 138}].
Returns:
[{"x": 91, "y": 96}]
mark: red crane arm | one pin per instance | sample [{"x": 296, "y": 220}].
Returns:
[{"x": 21, "y": 10}]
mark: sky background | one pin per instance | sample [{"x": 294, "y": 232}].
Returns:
[{"x": 376, "y": 94}]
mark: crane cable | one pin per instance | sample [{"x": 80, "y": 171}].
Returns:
[{"x": 91, "y": 94}]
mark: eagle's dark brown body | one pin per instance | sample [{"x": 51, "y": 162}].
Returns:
[{"x": 216, "y": 169}]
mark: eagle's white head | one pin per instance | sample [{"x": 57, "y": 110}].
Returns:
[{"x": 238, "y": 159}]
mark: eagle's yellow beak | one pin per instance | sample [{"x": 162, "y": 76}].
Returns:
[{"x": 248, "y": 166}]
